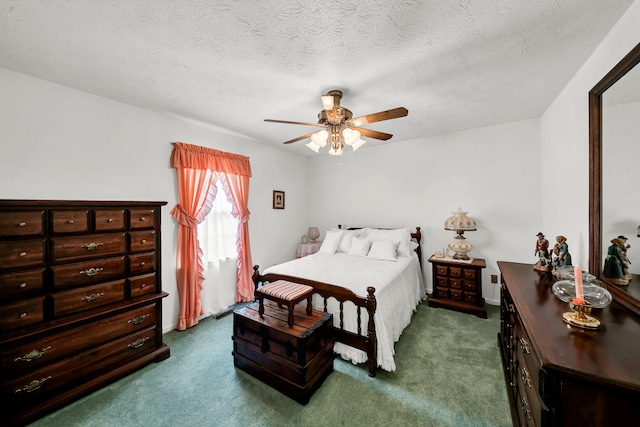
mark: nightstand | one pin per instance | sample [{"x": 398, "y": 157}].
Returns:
[
  {"x": 457, "y": 285},
  {"x": 308, "y": 248}
]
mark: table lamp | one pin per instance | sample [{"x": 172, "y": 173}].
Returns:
[{"x": 460, "y": 222}]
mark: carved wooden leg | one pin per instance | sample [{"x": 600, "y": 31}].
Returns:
[
  {"x": 261, "y": 306},
  {"x": 291, "y": 307},
  {"x": 309, "y": 307}
]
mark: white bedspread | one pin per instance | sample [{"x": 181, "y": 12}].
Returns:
[{"x": 399, "y": 289}]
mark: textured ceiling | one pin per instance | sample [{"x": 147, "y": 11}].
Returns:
[{"x": 232, "y": 63}]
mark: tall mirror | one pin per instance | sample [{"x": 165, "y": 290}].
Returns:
[{"x": 614, "y": 151}]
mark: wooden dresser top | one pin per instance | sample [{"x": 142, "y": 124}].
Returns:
[{"x": 610, "y": 355}]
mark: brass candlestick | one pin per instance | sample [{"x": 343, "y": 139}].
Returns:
[{"x": 580, "y": 316}]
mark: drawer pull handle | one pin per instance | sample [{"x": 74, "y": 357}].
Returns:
[
  {"x": 144, "y": 285},
  {"x": 22, "y": 224},
  {"x": 33, "y": 385},
  {"x": 139, "y": 319},
  {"x": 143, "y": 241},
  {"x": 92, "y": 297},
  {"x": 22, "y": 315},
  {"x": 110, "y": 220},
  {"x": 525, "y": 377},
  {"x": 70, "y": 221},
  {"x": 91, "y": 272},
  {"x": 142, "y": 264},
  {"x": 143, "y": 218},
  {"x": 92, "y": 246},
  {"x": 23, "y": 285},
  {"x": 138, "y": 343},
  {"x": 524, "y": 346},
  {"x": 23, "y": 254},
  {"x": 32, "y": 355}
]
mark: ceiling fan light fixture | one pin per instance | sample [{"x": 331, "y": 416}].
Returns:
[
  {"x": 336, "y": 150},
  {"x": 340, "y": 127},
  {"x": 351, "y": 136},
  {"x": 313, "y": 147},
  {"x": 357, "y": 144},
  {"x": 327, "y": 102},
  {"x": 320, "y": 138}
]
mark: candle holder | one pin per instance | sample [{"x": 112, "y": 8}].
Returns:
[{"x": 580, "y": 316}]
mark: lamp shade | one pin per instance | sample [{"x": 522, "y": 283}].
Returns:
[
  {"x": 313, "y": 147},
  {"x": 358, "y": 144},
  {"x": 313, "y": 233},
  {"x": 327, "y": 102},
  {"x": 459, "y": 221},
  {"x": 320, "y": 138}
]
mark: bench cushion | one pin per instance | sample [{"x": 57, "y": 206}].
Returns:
[{"x": 284, "y": 290}]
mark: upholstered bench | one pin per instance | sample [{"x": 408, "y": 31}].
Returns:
[{"x": 285, "y": 293}]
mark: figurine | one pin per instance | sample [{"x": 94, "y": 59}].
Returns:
[
  {"x": 625, "y": 268},
  {"x": 561, "y": 252},
  {"x": 542, "y": 252},
  {"x": 614, "y": 263}
]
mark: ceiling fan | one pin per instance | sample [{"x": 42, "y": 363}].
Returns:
[{"x": 340, "y": 128}]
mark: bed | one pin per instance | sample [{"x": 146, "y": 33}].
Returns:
[{"x": 370, "y": 280}]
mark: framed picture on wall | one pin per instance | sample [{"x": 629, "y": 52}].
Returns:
[{"x": 278, "y": 199}]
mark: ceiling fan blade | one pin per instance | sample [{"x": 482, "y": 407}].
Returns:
[
  {"x": 378, "y": 117},
  {"x": 299, "y": 138},
  {"x": 293, "y": 123},
  {"x": 374, "y": 134}
]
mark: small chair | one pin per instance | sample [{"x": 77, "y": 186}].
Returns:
[{"x": 285, "y": 293}]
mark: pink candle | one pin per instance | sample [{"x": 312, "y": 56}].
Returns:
[{"x": 577, "y": 272}]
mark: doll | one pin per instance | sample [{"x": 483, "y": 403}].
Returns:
[
  {"x": 542, "y": 252},
  {"x": 614, "y": 263}
]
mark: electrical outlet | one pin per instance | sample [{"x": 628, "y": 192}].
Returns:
[{"x": 494, "y": 278}]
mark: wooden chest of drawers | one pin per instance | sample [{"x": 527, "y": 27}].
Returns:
[
  {"x": 80, "y": 299},
  {"x": 458, "y": 285},
  {"x": 293, "y": 360},
  {"x": 559, "y": 375}
]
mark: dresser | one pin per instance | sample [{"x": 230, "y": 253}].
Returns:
[
  {"x": 80, "y": 299},
  {"x": 560, "y": 375},
  {"x": 458, "y": 285}
]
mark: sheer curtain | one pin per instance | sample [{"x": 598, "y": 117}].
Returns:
[
  {"x": 217, "y": 236},
  {"x": 196, "y": 169}
]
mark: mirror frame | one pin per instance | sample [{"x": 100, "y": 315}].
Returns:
[{"x": 595, "y": 174}]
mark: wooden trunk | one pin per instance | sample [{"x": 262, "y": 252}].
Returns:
[{"x": 294, "y": 361}]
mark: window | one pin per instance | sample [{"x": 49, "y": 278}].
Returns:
[{"x": 217, "y": 235}]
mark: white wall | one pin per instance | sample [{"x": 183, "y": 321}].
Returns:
[
  {"x": 565, "y": 140},
  {"x": 493, "y": 173},
  {"x": 60, "y": 143}
]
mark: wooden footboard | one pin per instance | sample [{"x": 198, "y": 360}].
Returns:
[{"x": 365, "y": 342}]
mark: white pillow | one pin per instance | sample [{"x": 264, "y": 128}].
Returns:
[
  {"x": 330, "y": 242},
  {"x": 345, "y": 240},
  {"x": 413, "y": 245},
  {"x": 401, "y": 235},
  {"x": 384, "y": 250},
  {"x": 359, "y": 246}
]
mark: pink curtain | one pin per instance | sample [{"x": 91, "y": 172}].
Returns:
[{"x": 196, "y": 169}]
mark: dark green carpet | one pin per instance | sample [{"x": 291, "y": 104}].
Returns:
[{"x": 448, "y": 374}]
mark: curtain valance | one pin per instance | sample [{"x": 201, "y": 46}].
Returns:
[{"x": 196, "y": 157}]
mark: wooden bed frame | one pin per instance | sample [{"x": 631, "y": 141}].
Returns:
[{"x": 367, "y": 343}]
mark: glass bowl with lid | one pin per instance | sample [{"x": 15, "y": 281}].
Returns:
[{"x": 596, "y": 295}]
